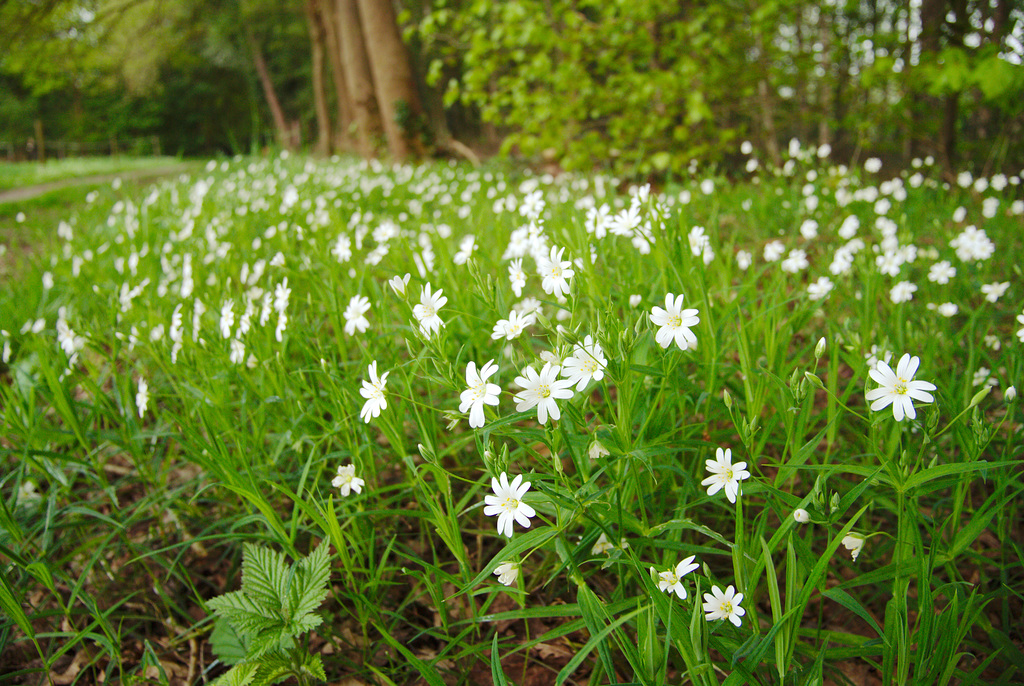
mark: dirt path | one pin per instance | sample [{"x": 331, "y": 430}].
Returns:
[{"x": 29, "y": 192}]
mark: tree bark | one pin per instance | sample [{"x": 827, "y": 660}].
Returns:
[
  {"x": 345, "y": 115},
  {"x": 317, "y": 40},
  {"x": 281, "y": 129},
  {"x": 393, "y": 79},
  {"x": 366, "y": 114}
]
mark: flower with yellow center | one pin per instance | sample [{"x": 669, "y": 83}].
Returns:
[
  {"x": 507, "y": 503},
  {"x": 725, "y": 474},
  {"x": 898, "y": 388},
  {"x": 721, "y": 604}
]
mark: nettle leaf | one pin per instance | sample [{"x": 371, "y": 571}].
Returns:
[
  {"x": 264, "y": 575},
  {"x": 228, "y": 645},
  {"x": 279, "y": 666},
  {"x": 245, "y": 614},
  {"x": 276, "y": 604},
  {"x": 309, "y": 586},
  {"x": 239, "y": 675}
]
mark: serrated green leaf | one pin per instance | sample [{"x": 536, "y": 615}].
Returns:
[
  {"x": 309, "y": 588},
  {"x": 264, "y": 575},
  {"x": 244, "y": 613},
  {"x": 239, "y": 675},
  {"x": 228, "y": 644}
]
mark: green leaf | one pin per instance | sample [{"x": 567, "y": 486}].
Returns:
[
  {"x": 497, "y": 673},
  {"x": 264, "y": 575},
  {"x": 228, "y": 645},
  {"x": 239, "y": 675},
  {"x": 309, "y": 585}
]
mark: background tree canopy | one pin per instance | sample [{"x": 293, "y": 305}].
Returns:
[{"x": 639, "y": 86}]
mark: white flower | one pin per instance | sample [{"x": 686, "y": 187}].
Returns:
[
  {"x": 517, "y": 276},
  {"x": 849, "y": 227},
  {"x": 898, "y": 388},
  {"x": 373, "y": 391},
  {"x": 902, "y": 292},
  {"x": 507, "y": 503},
  {"x": 872, "y": 165},
  {"x": 512, "y": 327},
  {"x": 744, "y": 259},
  {"x": 773, "y": 251},
  {"x": 142, "y": 397},
  {"x": 556, "y": 273},
  {"x": 723, "y": 605},
  {"x": 466, "y": 249},
  {"x": 801, "y": 515},
  {"x": 597, "y": 451},
  {"x": 994, "y": 291},
  {"x": 854, "y": 543},
  {"x": 820, "y": 288},
  {"x": 795, "y": 262},
  {"x": 602, "y": 545},
  {"x": 586, "y": 362},
  {"x": 809, "y": 229},
  {"x": 479, "y": 393},
  {"x": 672, "y": 580},
  {"x": 675, "y": 323},
  {"x": 541, "y": 391},
  {"x": 1010, "y": 394},
  {"x": 507, "y": 573},
  {"x": 398, "y": 284},
  {"x": 347, "y": 480},
  {"x": 227, "y": 318},
  {"x": 948, "y": 309},
  {"x": 355, "y": 321},
  {"x": 237, "y": 354},
  {"x": 426, "y": 311},
  {"x": 725, "y": 474},
  {"x": 941, "y": 272},
  {"x": 635, "y": 299}
]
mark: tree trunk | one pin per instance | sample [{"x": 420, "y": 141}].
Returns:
[
  {"x": 358, "y": 77},
  {"x": 393, "y": 78},
  {"x": 345, "y": 114},
  {"x": 317, "y": 40},
  {"x": 281, "y": 130}
]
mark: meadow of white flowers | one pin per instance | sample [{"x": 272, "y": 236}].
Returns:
[{"x": 787, "y": 403}]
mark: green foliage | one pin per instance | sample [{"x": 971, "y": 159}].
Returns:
[{"x": 258, "y": 624}]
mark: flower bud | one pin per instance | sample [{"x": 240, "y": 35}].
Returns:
[
  {"x": 819, "y": 349},
  {"x": 801, "y": 515},
  {"x": 979, "y": 396},
  {"x": 1010, "y": 394},
  {"x": 813, "y": 378},
  {"x": 727, "y": 399}
]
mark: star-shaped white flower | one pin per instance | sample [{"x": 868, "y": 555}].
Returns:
[
  {"x": 675, "y": 323},
  {"x": 898, "y": 388},
  {"x": 479, "y": 393},
  {"x": 347, "y": 480},
  {"x": 723, "y": 605},
  {"x": 355, "y": 315},
  {"x": 507, "y": 573},
  {"x": 672, "y": 580},
  {"x": 556, "y": 273},
  {"x": 586, "y": 362},
  {"x": 373, "y": 391},
  {"x": 725, "y": 474},
  {"x": 541, "y": 391},
  {"x": 426, "y": 311},
  {"x": 512, "y": 327},
  {"x": 507, "y": 503}
]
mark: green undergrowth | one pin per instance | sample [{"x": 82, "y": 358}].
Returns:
[{"x": 195, "y": 407}]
